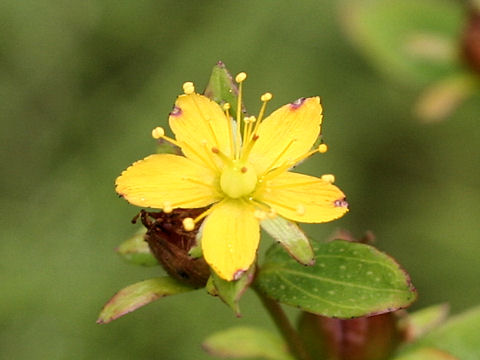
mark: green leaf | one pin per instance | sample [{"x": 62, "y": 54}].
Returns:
[
  {"x": 289, "y": 235},
  {"x": 139, "y": 294},
  {"x": 423, "y": 321},
  {"x": 348, "y": 280},
  {"x": 221, "y": 88},
  {"x": 136, "y": 251},
  {"x": 427, "y": 354},
  {"x": 231, "y": 291},
  {"x": 247, "y": 342},
  {"x": 459, "y": 337},
  {"x": 411, "y": 40}
]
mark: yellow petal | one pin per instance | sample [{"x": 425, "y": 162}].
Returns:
[
  {"x": 230, "y": 238},
  {"x": 165, "y": 181},
  {"x": 303, "y": 198},
  {"x": 286, "y": 134},
  {"x": 200, "y": 124}
]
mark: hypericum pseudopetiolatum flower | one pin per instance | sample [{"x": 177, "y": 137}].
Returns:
[{"x": 239, "y": 169}]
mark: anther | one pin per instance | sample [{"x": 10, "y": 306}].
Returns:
[
  {"x": 226, "y": 106},
  {"x": 266, "y": 97},
  {"x": 240, "y": 77},
  {"x": 328, "y": 178},
  {"x": 243, "y": 169},
  {"x": 158, "y": 132},
  {"x": 188, "y": 224},
  {"x": 322, "y": 148},
  {"x": 188, "y": 88},
  {"x": 249, "y": 119},
  {"x": 167, "y": 207},
  {"x": 215, "y": 150}
]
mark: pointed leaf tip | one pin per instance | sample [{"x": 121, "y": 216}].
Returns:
[
  {"x": 289, "y": 235},
  {"x": 139, "y": 294}
]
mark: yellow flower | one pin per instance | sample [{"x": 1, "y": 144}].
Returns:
[{"x": 239, "y": 169}]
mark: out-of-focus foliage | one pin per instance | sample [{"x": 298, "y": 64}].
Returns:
[{"x": 83, "y": 83}]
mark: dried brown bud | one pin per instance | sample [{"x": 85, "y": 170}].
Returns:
[
  {"x": 364, "y": 338},
  {"x": 170, "y": 244},
  {"x": 471, "y": 40}
]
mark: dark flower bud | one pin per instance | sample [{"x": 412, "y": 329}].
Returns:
[
  {"x": 471, "y": 40},
  {"x": 364, "y": 338},
  {"x": 170, "y": 243}
]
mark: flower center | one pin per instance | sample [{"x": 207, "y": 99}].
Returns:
[{"x": 238, "y": 180}]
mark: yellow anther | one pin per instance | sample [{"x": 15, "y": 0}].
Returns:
[
  {"x": 249, "y": 119},
  {"x": 300, "y": 209},
  {"x": 188, "y": 88},
  {"x": 240, "y": 77},
  {"x": 328, "y": 178},
  {"x": 188, "y": 224},
  {"x": 322, "y": 148},
  {"x": 266, "y": 97},
  {"x": 226, "y": 106},
  {"x": 167, "y": 207},
  {"x": 158, "y": 132}
]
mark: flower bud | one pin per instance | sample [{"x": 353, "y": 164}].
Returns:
[
  {"x": 364, "y": 338},
  {"x": 170, "y": 243},
  {"x": 471, "y": 40}
]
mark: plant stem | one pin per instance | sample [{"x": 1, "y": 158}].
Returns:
[{"x": 294, "y": 342}]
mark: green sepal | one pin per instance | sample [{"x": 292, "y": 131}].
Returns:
[
  {"x": 246, "y": 343},
  {"x": 421, "y": 322},
  {"x": 289, "y": 235},
  {"x": 231, "y": 291},
  {"x": 348, "y": 280},
  {"x": 136, "y": 251},
  {"x": 458, "y": 337},
  {"x": 139, "y": 294},
  {"x": 427, "y": 354},
  {"x": 221, "y": 88}
]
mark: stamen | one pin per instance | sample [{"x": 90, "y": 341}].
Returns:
[
  {"x": 222, "y": 156},
  {"x": 240, "y": 78},
  {"x": 209, "y": 153},
  {"x": 330, "y": 178},
  {"x": 322, "y": 148},
  {"x": 248, "y": 120},
  {"x": 188, "y": 224},
  {"x": 264, "y": 98},
  {"x": 167, "y": 207},
  {"x": 226, "y": 108},
  {"x": 188, "y": 88},
  {"x": 159, "y": 133},
  {"x": 211, "y": 165},
  {"x": 248, "y": 148}
]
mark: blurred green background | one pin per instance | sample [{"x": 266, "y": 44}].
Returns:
[{"x": 82, "y": 83}]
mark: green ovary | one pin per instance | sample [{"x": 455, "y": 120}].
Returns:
[{"x": 238, "y": 180}]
